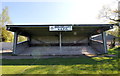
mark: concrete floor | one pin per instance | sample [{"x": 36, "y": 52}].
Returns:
[{"x": 55, "y": 50}]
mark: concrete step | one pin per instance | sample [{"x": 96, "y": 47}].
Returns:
[{"x": 55, "y": 50}]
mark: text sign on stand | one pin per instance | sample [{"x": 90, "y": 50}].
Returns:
[{"x": 60, "y": 28}]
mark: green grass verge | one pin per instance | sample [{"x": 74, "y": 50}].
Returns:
[{"x": 80, "y": 65}]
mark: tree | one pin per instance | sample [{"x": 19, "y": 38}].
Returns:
[
  {"x": 113, "y": 16},
  {"x": 4, "y": 17},
  {"x": 22, "y": 38},
  {"x": 6, "y": 36}
]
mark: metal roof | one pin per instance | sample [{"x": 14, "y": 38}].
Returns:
[{"x": 43, "y": 30}]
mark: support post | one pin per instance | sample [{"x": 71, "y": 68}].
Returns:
[
  {"x": 89, "y": 41},
  {"x": 15, "y": 42},
  {"x": 60, "y": 40},
  {"x": 29, "y": 41},
  {"x": 104, "y": 42}
]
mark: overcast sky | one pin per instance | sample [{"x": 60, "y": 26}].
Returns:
[{"x": 55, "y": 11}]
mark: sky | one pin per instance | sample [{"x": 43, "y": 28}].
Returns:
[{"x": 55, "y": 11}]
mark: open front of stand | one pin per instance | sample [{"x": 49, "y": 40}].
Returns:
[{"x": 59, "y": 39}]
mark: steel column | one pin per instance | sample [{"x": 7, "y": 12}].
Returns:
[
  {"x": 60, "y": 40},
  {"x": 15, "y": 42},
  {"x": 89, "y": 41},
  {"x": 29, "y": 41},
  {"x": 104, "y": 42}
]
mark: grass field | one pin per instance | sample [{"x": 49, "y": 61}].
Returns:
[{"x": 79, "y": 65}]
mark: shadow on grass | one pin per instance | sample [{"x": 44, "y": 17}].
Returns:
[{"x": 50, "y": 61}]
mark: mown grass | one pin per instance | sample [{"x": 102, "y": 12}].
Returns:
[{"x": 80, "y": 65}]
